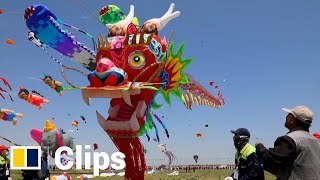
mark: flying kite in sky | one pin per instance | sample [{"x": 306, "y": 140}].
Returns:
[
  {"x": 168, "y": 153},
  {"x": 9, "y": 115},
  {"x": 95, "y": 146},
  {"x": 10, "y": 41},
  {"x": 196, "y": 157},
  {"x": 52, "y": 138},
  {"x": 53, "y": 84},
  {"x": 5, "y": 82},
  {"x": 83, "y": 119},
  {"x": 75, "y": 124},
  {"x": 47, "y": 28},
  {"x": 199, "y": 136},
  {"x": 123, "y": 72},
  {"x": 1, "y": 11},
  {"x": 31, "y": 99},
  {"x": 194, "y": 92}
]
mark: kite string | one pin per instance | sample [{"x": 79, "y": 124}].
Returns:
[
  {"x": 9, "y": 141},
  {"x": 65, "y": 78},
  {"x": 63, "y": 69},
  {"x": 84, "y": 7}
]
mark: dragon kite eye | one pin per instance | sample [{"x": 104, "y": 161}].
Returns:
[{"x": 136, "y": 60}]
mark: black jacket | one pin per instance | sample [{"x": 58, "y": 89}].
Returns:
[
  {"x": 282, "y": 155},
  {"x": 250, "y": 169}
]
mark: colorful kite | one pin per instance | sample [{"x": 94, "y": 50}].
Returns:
[
  {"x": 9, "y": 115},
  {"x": 194, "y": 92},
  {"x": 52, "y": 138},
  {"x": 168, "y": 153},
  {"x": 131, "y": 66},
  {"x": 199, "y": 136},
  {"x": 47, "y": 28},
  {"x": 1, "y": 11},
  {"x": 53, "y": 84},
  {"x": 10, "y": 41},
  {"x": 31, "y": 99},
  {"x": 75, "y": 124}
]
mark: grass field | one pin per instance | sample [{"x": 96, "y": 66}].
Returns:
[{"x": 160, "y": 175}]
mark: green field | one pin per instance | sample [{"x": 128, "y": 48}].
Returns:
[{"x": 160, "y": 175}]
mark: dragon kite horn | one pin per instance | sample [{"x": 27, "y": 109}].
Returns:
[
  {"x": 125, "y": 22},
  {"x": 160, "y": 23},
  {"x": 49, "y": 126}
]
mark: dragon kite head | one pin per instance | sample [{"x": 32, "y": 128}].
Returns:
[
  {"x": 35, "y": 12},
  {"x": 132, "y": 66}
]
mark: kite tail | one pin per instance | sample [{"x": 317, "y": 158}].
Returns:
[
  {"x": 135, "y": 160},
  {"x": 2, "y": 96},
  {"x": 5, "y": 82},
  {"x": 53, "y": 57},
  {"x": 2, "y": 90},
  {"x": 171, "y": 156},
  {"x": 72, "y": 27},
  {"x": 147, "y": 135},
  {"x": 162, "y": 124},
  {"x": 156, "y": 129}
]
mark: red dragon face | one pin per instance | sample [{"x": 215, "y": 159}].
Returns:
[
  {"x": 131, "y": 60},
  {"x": 138, "y": 61}
]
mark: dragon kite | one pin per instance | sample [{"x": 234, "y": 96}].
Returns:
[{"x": 132, "y": 65}]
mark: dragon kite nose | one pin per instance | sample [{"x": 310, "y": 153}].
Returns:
[{"x": 107, "y": 74}]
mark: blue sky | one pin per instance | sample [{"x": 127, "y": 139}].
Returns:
[{"x": 267, "y": 51}]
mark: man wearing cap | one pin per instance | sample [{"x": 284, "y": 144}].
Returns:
[
  {"x": 4, "y": 163},
  {"x": 296, "y": 154},
  {"x": 248, "y": 166}
]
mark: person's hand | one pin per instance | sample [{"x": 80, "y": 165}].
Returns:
[{"x": 257, "y": 143}]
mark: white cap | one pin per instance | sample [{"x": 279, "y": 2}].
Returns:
[{"x": 302, "y": 113}]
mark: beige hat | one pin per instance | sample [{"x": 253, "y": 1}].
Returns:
[{"x": 302, "y": 113}]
